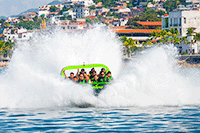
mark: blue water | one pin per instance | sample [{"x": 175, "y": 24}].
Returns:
[
  {"x": 72, "y": 119},
  {"x": 160, "y": 118}
]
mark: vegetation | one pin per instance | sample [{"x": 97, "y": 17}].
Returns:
[
  {"x": 53, "y": 9},
  {"x": 170, "y": 5},
  {"x": 147, "y": 15},
  {"x": 129, "y": 44},
  {"x": 30, "y": 25},
  {"x": 6, "y": 48}
]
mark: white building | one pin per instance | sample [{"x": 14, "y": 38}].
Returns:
[
  {"x": 86, "y": 3},
  {"x": 17, "y": 34},
  {"x": 81, "y": 12},
  {"x": 182, "y": 19},
  {"x": 70, "y": 12},
  {"x": 40, "y": 13},
  {"x": 193, "y": 4},
  {"x": 188, "y": 48}
]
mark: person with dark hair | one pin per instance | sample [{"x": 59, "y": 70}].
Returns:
[
  {"x": 92, "y": 75},
  {"x": 71, "y": 77},
  {"x": 102, "y": 77},
  {"x": 109, "y": 76},
  {"x": 91, "y": 71},
  {"x": 81, "y": 79}
]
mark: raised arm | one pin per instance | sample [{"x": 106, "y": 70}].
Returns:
[
  {"x": 77, "y": 75},
  {"x": 65, "y": 74}
]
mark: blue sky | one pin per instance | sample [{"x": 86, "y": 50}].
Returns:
[{"x": 15, "y": 7}]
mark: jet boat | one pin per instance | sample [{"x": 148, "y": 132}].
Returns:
[{"x": 96, "y": 86}]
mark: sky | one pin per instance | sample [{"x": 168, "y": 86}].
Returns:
[{"x": 15, "y": 7}]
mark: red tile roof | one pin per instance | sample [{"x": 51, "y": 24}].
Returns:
[
  {"x": 81, "y": 24},
  {"x": 32, "y": 13},
  {"x": 166, "y": 15},
  {"x": 119, "y": 7},
  {"x": 156, "y": 23},
  {"x": 136, "y": 30}
]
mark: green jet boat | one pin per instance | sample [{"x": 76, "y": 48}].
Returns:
[{"x": 96, "y": 86}]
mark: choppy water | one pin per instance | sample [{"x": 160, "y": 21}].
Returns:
[
  {"x": 149, "y": 93},
  {"x": 72, "y": 119}
]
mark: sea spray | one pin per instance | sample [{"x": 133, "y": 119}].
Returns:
[
  {"x": 153, "y": 78},
  {"x": 33, "y": 78}
]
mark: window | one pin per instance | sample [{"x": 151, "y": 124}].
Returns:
[{"x": 184, "y": 20}]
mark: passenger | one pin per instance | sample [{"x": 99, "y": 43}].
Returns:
[
  {"x": 91, "y": 71},
  {"x": 102, "y": 77},
  {"x": 71, "y": 77},
  {"x": 75, "y": 79},
  {"x": 102, "y": 70},
  {"x": 81, "y": 79},
  {"x": 83, "y": 71},
  {"x": 109, "y": 76},
  {"x": 92, "y": 76}
]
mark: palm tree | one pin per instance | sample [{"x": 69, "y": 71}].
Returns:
[
  {"x": 190, "y": 33},
  {"x": 5, "y": 48},
  {"x": 129, "y": 43}
]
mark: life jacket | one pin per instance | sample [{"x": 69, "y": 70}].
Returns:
[
  {"x": 110, "y": 79},
  {"x": 81, "y": 81},
  {"x": 105, "y": 79}
]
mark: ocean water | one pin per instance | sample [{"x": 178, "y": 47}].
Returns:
[
  {"x": 129, "y": 119},
  {"x": 150, "y": 93}
]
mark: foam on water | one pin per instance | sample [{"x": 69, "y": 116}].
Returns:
[{"x": 33, "y": 78}]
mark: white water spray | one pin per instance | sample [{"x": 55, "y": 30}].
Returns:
[{"x": 33, "y": 77}]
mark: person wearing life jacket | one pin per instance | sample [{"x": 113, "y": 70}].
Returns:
[
  {"x": 102, "y": 70},
  {"x": 91, "y": 71},
  {"x": 92, "y": 76},
  {"x": 71, "y": 77},
  {"x": 102, "y": 77},
  {"x": 81, "y": 79},
  {"x": 109, "y": 76}
]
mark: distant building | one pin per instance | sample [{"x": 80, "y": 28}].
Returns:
[
  {"x": 29, "y": 15},
  {"x": 12, "y": 21},
  {"x": 193, "y": 4},
  {"x": 137, "y": 34},
  {"x": 150, "y": 25},
  {"x": 70, "y": 3},
  {"x": 43, "y": 13},
  {"x": 16, "y": 34},
  {"x": 182, "y": 19}
]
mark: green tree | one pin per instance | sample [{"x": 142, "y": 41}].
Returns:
[
  {"x": 160, "y": 12},
  {"x": 53, "y": 8},
  {"x": 92, "y": 7},
  {"x": 2, "y": 21},
  {"x": 28, "y": 25},
  {"x": 170, "y": 5},
  {"x": 197, "y": 37},
  {"x": 190, "y": 32}
]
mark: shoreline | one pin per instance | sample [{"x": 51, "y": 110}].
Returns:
[{"x": 3, "y": 64}]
